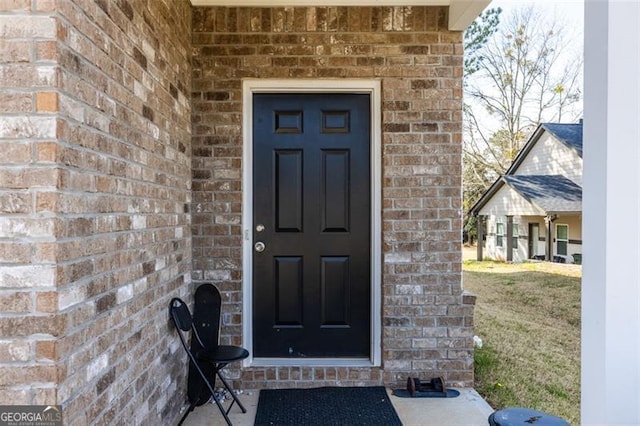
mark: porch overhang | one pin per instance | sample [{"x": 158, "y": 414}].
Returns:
[{"x": 461, "y": 12}]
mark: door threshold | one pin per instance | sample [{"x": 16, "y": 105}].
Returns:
[{"x": 310, "y": 362}]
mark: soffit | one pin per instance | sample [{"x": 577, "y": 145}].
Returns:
[{"x": 461, "y": 12}]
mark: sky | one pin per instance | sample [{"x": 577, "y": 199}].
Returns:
[{"x": 569, "y": 12}]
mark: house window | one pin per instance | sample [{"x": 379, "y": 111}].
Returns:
[
  {"x": 516, "y": 234},
  {"x": 562, "y": 239},
  {"x": 499, "y": 234}
]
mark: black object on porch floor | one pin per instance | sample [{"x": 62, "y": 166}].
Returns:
[{"x": 368, "y": 406}]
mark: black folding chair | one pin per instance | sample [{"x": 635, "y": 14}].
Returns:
[{"x": 207, "y": 357}]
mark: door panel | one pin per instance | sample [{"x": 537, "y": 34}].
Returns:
[
  {"x": 335, "y": 291},
  {"x": 335, "y": 191},
  {"x": 311, "y": 185},
  {"x": 288, "y": 175},
  {"x": 288, "y": 286}
]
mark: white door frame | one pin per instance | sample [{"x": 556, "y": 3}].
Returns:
[{"x": 373, "y": 88}]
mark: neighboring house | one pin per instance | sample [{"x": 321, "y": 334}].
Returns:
[
  {"x": 149, "y": 146},
  {"x": 534, "y": 211}
]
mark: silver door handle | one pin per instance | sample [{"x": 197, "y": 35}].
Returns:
[{"x": 259, "y": 246}]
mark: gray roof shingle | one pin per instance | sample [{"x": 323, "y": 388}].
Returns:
[
  {"x": 552, "y": 193},
  {"x": 569, "y": 134}
]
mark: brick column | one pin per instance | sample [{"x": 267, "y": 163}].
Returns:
[
  {"x": 95, "y": 169},
  {"x": 29, "y": 324}
]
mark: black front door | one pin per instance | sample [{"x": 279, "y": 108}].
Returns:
[{"x": 311, "y": 225}]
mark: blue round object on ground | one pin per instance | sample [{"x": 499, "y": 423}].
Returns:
[{"x": 524, "y": 417}]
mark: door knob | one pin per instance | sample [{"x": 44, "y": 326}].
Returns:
[{"x": 259, "y": 246}]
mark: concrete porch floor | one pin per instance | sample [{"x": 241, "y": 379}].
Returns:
[{"x": 467, "y": 409}]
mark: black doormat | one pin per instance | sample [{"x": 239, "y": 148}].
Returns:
[{"x": 326, "y": 406}]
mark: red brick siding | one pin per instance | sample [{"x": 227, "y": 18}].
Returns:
[
  {"x": 95, "y": 234},
  {"x": 125, "y": 146},
  {"x": 96, "y": 208},
  {"x": 29, "y": 324},
  {"x": 427, "y": 329}
]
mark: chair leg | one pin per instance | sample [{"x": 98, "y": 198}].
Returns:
[
  {"x": 231, "y": 392},
  {"x": 189, "y": 410},
  {"x": 222, "y": 410},
  {"x": 225, "y": 413},
  {"x": 212, "y": 387}
]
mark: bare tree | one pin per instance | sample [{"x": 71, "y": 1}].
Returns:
[{"x": 524, "y": 75}]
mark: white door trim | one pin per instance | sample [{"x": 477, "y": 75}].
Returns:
[{"x": 373, "y": 88}]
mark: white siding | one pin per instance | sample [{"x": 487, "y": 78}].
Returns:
[
  {"x": 521, "y": 253},
  {"x": 542, "y": 229},
  {"x": 508, "y": 202},
  {"x": 552, "y": 157},
  {"x": 574, "y": 222},
  {"x": 548, "y": 156},
  {"x": 491, "y": 250},
  {"x": 575, "y": 225}
]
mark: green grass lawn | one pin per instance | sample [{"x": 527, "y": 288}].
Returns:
[{"x": 528, "y": 316}]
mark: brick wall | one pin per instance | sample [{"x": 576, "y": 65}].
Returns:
[
  {"x": 29, "y": 325},
  {"x": 96, "y": 209},
  {"x": 427, "y": 322},
  {"x": 95, "y": 174}
]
